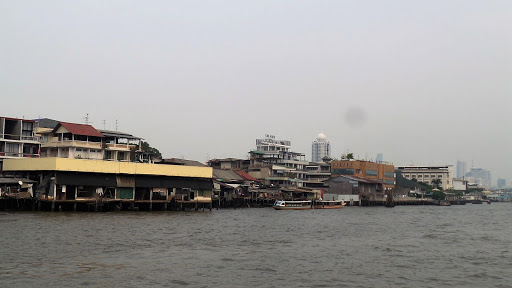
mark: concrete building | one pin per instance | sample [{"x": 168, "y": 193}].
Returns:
[
  {"x": 17, "y": 139},
  {"x": 229, "y": 164},
  {"x": 383, "y": 172},
  {"x": 427, "y": 174},
  {"x": 80, "y": 141},
  {"x": 274, "y": 163},
  {"x": 320, "y": 148},
  {"x": 460, "y": 185}
]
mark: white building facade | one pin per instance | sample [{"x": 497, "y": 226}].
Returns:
[
  {"x": 427, "y": 174},
  {"x": 320, "y": 148}
]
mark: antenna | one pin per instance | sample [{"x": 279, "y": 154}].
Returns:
[
  {"x": 87, "y": 119},
  {"x": 103, "y": 124},
  {"x": 116, "y": 125}
]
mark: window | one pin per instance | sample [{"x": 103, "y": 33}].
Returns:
[
  {"x": 371, "y": 172},
  {"x": 343, "y": 172},
  {"x": 391, "y": 174}
]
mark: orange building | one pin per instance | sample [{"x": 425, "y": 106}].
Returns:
[{"x": 377, "y": 171}]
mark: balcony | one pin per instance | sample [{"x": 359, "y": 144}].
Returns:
[
  {"x": 20, "y": 138},
  {"x": 73, "y": 143},
  {"x": 18, "y": 155}
]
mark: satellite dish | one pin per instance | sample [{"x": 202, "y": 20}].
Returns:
[{"x": 19, "y": 182}]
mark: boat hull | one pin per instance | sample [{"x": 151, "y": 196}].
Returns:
[
  {"x": 329, "y": 206},
  {"x": 292, "y": 208},
  {"x": 292, "y": 205},
  {"x": 323, "y": 204}
]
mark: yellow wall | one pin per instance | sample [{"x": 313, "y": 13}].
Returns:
[{"x": 100, "y": 166}]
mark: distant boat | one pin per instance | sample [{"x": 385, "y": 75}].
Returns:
[
  {"x": 292, "y": 205},
  {"x": 329, "y": 204}
]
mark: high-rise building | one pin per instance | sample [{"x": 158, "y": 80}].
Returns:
[
  {"x": 502, "y": 183},
  {"x": 320, "y": 148},
  {"x": 379, "y": 158},
  {"x": 461, "y": 169},
  {"x": 479, "y": 176}
]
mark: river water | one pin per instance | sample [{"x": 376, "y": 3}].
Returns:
[{"x": 405, "y": 246}]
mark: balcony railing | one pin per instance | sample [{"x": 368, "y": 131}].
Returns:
[
  {"x": 20, "y": 137},
  {"x": 19, "y": 155}
]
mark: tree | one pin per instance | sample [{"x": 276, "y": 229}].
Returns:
[
  {"x": 153, "y": 152},
  {"x": 350, "y": 156},
  {"x": 438, "y": 195},
  {"x": 436, "y": 182}
]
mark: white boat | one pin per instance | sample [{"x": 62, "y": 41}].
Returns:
[
  {"x": 329, "y": 204},
  {"x": 292, "y": 205}
]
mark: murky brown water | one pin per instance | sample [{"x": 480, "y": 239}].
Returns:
[{"x": 413, "y": 246}]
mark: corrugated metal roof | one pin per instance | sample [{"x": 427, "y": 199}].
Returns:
[
  {"x": 118, "y": 134},
  {"x": 15, "y": 180},
  {"x": 246, "y": 176},
  {"x": 80, "y": 129},
  {"x": 184, "y": 162},
  {"x": 226, "y": 175}
]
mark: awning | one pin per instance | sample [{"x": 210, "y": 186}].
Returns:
[
  {"x": 15, "y": 180},
  {"x": 233, "y": 185}
]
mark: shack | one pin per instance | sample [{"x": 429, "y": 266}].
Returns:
[{"x": 78, "y": 182}]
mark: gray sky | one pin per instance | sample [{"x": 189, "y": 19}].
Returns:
[{"x": 421, "y": 82}]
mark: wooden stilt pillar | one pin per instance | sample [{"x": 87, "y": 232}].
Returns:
[
  {"x": 74, "y": 207},
  {"x": 53, "y": 206}
]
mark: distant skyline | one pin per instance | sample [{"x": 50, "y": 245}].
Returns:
[{"x": 420, "y": 82}]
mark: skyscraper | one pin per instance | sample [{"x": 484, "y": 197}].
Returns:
[
  {"x": 379, "y": 158},
  {"x": 502, "y": 183},
  {"x": 320, "y": 148},
  {"x": 461, "y": 169}
]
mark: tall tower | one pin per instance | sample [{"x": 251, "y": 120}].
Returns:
[
  {"x": 320, "y": 148},
  {"x": 461, "y": 169}
]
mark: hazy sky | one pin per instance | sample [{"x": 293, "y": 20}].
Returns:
[{"x": 421, "y": 82}]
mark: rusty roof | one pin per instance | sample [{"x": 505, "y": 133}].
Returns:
[
  {"x": 246, "y": 176},
  {"x": 80, "y": 129}
]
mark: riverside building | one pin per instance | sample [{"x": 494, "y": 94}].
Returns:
[
  {"x": 17, "y": 139},
  {"x": 67, "y": 183},
  {"x": 380, "y": 172},
  {"x": 427, "y": 174},
  {"x": 274, "y": 163}
]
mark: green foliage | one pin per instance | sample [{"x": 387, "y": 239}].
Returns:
[
  {"x": 350, "y": 156},
  {"x": 153, "y": 152},
  {"x": 438, "y": 195},
  {"x": 436, "y": 182}
]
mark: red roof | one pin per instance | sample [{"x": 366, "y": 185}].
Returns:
[
  {"x": 80, "y": 129},
  {"x": 246, "y": 176}
]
